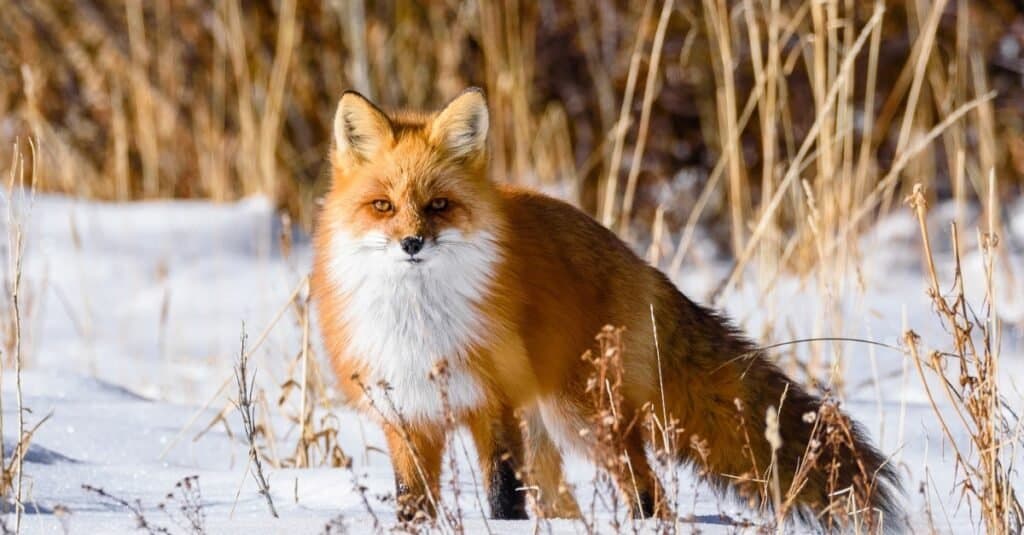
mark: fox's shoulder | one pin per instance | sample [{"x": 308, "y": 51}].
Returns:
[
  {"x": 542, "y": 222},
  {"x": 523, "y": 205}
]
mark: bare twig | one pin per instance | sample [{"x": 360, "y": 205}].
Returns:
[
  {"x": 134, "y": 507},
  {"x": 247, "y": 409}
]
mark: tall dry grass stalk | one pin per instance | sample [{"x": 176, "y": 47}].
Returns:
[
  {"x": 968, "y": 379},
  {"x": 19, "y": 197}
]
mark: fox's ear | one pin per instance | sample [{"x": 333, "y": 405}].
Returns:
[
  {"x": 461, "y": 127},
  {"x": 360, "y": 128}
]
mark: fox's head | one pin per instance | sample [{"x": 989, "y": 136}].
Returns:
[{"x": 407, "y": 184}]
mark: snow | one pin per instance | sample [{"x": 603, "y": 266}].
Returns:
[{"x": 132, "y": 319}]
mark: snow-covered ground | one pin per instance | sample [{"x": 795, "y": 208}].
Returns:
[{"x": 132, "y": 321}]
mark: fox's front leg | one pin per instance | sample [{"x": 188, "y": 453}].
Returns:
[
  {"x": 416, "y": 459},
  {"x": 499, "y": 444}
]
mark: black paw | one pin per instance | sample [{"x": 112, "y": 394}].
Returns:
[
  {"x": 507, "y": 500},
  {"x": 645, "y": 508}
]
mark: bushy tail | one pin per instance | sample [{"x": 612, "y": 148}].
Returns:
[
  {"x": 827, "y": 468},
  {"x": 828, "y": 472}
]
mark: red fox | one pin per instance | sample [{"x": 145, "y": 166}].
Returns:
[{"x": 421, "y": 262}]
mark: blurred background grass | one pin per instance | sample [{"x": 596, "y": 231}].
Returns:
[{"x": 654, "y": 116}]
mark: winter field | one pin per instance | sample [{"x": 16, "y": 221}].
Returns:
[
  {"x": 131, "y": 318},
  {"x": 759, "y": 151}
]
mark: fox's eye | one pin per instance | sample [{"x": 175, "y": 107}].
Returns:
[
  {"x": 382, "y": 205},
  {"x": 439, "y": 204}
]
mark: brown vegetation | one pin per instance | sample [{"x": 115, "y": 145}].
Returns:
[{"x": 192, "y": 99}]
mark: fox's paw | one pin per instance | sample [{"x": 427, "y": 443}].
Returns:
[
  {"x": 649, "y": 506},
  {"x": 561, "y": 504},
  {"x": 414, "y": 508}
]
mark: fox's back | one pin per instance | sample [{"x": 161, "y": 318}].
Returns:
[{"x": 571, "y": 277}]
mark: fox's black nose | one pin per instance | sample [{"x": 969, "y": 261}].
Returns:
[{"x": 412, "y": 244}]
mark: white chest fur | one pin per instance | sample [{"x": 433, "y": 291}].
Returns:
[{"x": 404, "y": 318}]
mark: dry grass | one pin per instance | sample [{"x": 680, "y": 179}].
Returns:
[
  {"x": 609, "y": 105},
  {"x": 614, "y": 485},
  {"x": 182, "y": 507},
  {"x": 246, "y": 405},
  {"x": 18, "y": 198},
  {"x": 969, "y": 379}
]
